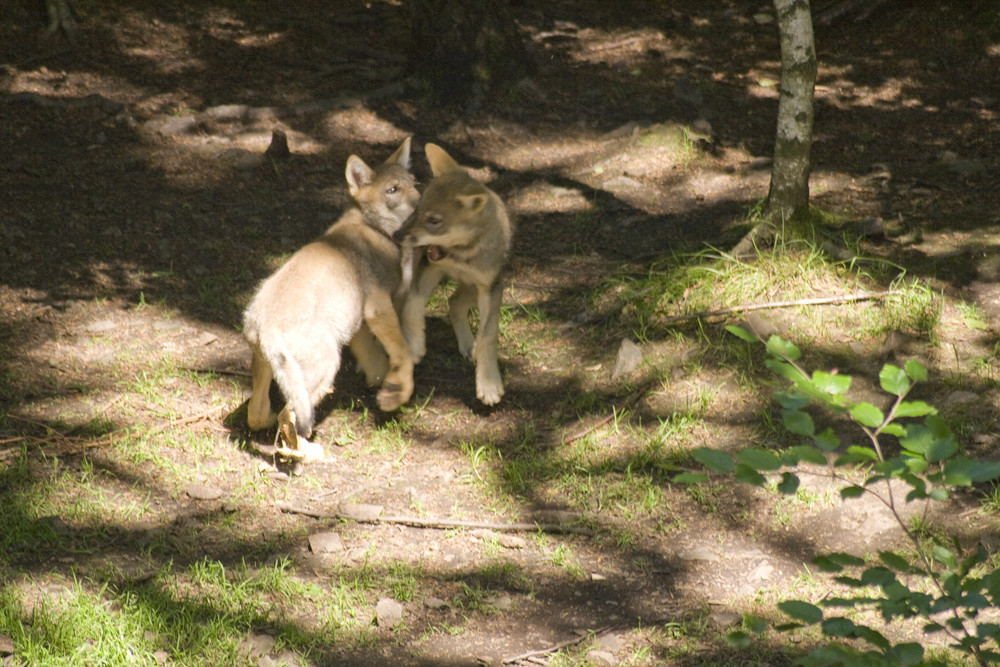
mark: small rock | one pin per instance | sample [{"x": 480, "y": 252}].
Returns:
[
  {"x": 167, "y": 325},
  {"x": 325, "y": 543},
  {"x": 206, "y": 338},
  {"x": 612, "y": 642},
  {"x": 6, "y": 645},
  {"x": 622, "y": 182},
  {"x": 960, "y": 398},
  {"x": 432, "y": 602},
  {"x": 279, "y": 145},
  {"x": 760, "y": 326},
  {"x": 725, "y": 618},
  {"x": 58, "y": 526},
  {"x": 248, "y": 161},
  {"x": 601, "y": 658},
  {"x": 388, "y": 613},
  {"x": 256, "y": 645},
  {"x": 594, "y": 576},
  {"x": 178, "y": 125},
  {"x": 702, "y": 554},
  {"x": 761, "y": 572},
  {"x": 511, "y": 541},
  {"x": 203, "y": 491},
  {"x": 101, "y": 326},
  {"x": 629, "y": 358},
  {"x": 360, "y": 511},
  {"x": 894, "y": 341}
]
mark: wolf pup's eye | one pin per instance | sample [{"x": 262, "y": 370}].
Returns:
[
  {"x": 392, "y": 190},
  {"x": 432, "y": 222}
]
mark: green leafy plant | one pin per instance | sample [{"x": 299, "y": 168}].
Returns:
[{"x": 910, "y": 447}]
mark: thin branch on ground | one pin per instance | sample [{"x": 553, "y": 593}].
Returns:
[
  {"x": 555, "y": 647},
  {"x": 816, "y": 301},
  {"x": 444, "y": 524},
  {"x": 629, "y": 402}
]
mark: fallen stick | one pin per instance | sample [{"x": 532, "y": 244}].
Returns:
[
  {"x": 817, "y": 301},
  {"x": 629, "y": 402},
  {"x": 444, "y": 524},
  {"x": 554, "y": 647}
]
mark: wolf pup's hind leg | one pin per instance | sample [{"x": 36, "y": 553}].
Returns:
[{"x": 259, "y": 415}]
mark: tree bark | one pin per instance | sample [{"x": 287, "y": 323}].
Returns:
[
  {"x": 463, "y": 49},
  {"x": 789, "y": 193}
]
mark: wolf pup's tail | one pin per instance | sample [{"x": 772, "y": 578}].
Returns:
[{"x": 292, "y": 382}]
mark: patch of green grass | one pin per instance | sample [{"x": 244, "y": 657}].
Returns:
[{"x": 712, "y": 280}]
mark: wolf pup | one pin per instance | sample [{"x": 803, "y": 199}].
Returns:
[
  {"x": 336, "y": 291},
  {"x": 465, "y": 234}
]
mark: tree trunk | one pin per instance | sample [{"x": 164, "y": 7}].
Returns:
[
  {"x": 788, "y": 197},
  {"x": 789, "y": 193},
  {"x": 463, "y": 49}
]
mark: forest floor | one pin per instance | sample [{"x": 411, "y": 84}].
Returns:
[{"x": 139, "y": 212}]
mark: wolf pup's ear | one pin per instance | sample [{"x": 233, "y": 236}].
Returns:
[
  {"x": 440, "y": 161},
  {"x": 359, "y": 174},
  {"x": 473, "y": 203},
  {"x": 402, "y": 155}
]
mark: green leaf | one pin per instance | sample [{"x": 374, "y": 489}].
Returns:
[
  {"x": 738, "y": 639},
  {"x": 914, "y": 409},
  {"x": 841, "y": 558},
  {"x": 877, "y": 576},
  {"x": 789, "y": 483},
  {"x": 916, "y": 370},
  {"x": 909, "y": 653},
  {"x": 894, "y": 429},
  {"x": 808, "y": 454},
  {"x": 977, "y": 471},
  {"x": 867, "y": 415},
  {"x": 935, "y": 441},
  {"x": 740, "y": 332},
  {"x": 945, "y": 556},
  {"x": 798, "y": 422},
  {"x": 748, "y": 475},
  {"x": 785, "y": 370},
  {"x": 713, "y": 459},
  {"x": 894, "y": 380},
  {"x": 758, "y": 459},
  {"x": 895, "y": 561},
  {"x": 802, "y": 611},
  {"x": 963, "y": 471},
  {"x": 780, "y": 347},
  {"x": 852, "y": 492},
  {"x": 831, "y": 383},
  {"x": 690, "y": 478},
  {"x": 792, "y": 400},
  {"x": 839, "y": 626},
  {"x": 827, "y": 440}
]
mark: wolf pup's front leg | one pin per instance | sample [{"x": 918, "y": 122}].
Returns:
[{"x": 489, "y": 383}]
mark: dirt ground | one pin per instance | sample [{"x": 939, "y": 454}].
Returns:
[{"x": 138, "y": 212}]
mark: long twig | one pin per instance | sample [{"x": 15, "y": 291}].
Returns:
[
  {"x": 418, "y": 522},
  {"x": 629, "y": 402},
  {"x": 817, "y": 301},
  {"x": 554, "y": 647}
]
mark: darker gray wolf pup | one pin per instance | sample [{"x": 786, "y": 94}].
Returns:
[{"x": 465, "y": 234}]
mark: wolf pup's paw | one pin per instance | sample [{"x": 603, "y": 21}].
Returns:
[
  {"x": 489, "y": 393},
  {"x": 391, "y": 396}
]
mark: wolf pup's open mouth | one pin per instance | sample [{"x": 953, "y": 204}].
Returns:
[{"x": 435, "y": 253}]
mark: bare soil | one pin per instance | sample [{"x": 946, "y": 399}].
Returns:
[{"x": 139, "y": 212}]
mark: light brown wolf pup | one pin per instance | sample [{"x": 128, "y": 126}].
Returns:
[
  {"x": 463, "y": 229},
  {"x": 336, "y": 291}
]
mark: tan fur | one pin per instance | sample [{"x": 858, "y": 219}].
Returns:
[
  {"x": 465, "y": 233},
  {"x": 336, "y": 291}
]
